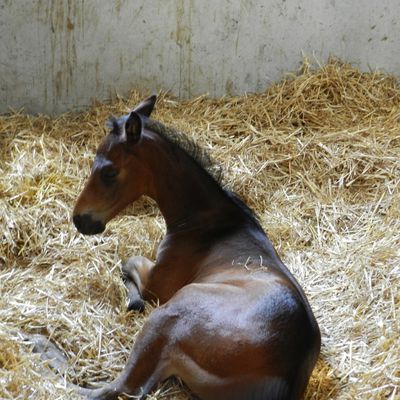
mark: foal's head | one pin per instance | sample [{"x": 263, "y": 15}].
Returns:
[{"x": 119, "y": 176}]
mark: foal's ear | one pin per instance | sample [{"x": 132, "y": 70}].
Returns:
[
  {"x": 133, "y": 127},
  {"x": 146, "y": 106}
]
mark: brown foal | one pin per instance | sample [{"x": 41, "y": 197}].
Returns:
[{"x": 233, "y": 323}]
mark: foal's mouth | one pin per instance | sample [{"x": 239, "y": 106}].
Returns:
[{"x": 87, "y": 225}]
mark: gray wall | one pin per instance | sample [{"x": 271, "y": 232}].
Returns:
[{"x": 60, "y": 55}]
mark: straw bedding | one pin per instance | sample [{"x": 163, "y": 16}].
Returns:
[{"x": 316, "y": 156}]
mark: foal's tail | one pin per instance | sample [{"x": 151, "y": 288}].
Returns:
[
  {"x": 292, "y": 388},
  {"x": 276, "y": 388}
]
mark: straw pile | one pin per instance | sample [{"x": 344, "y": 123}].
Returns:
[{"x": 316, "y": 156}]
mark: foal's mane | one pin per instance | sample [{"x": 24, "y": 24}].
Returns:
[
  {"x": 202, "y": 157},
  {"x": 198, "y": 153}
]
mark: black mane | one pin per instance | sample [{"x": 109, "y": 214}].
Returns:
[
  {"x": 203, "y": 158},
  {"x": 198, "y": 153}
]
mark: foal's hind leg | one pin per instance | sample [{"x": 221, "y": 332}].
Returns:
[
  {"x": 135, "y": 273},
  {"x": 48, "y": 352},
  {"x": 148, "y": 364}
]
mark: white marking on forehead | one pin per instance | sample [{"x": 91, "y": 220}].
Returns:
[{"x": 100, "y": 161}]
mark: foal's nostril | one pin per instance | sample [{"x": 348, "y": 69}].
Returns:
[
  {"x": 87, "y": 225},
  {"x": 77, "y": 221}
]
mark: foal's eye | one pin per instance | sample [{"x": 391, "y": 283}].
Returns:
[{"x": 108, "y": 175}]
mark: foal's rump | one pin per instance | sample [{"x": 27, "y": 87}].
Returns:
[{"x": 240, "y": 339}]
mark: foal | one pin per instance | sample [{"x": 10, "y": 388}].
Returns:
[{"x": 233, "y": 322}]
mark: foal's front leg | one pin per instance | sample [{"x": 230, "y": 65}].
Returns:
[{"x": 135, "y": 273}]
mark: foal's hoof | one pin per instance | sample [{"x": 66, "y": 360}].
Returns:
[
  {"x": 48, "y": 351},
  {"x": 135, "y": 302},
  {"x": 136, "y": 305}
]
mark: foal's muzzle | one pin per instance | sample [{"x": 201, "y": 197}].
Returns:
[{"x": 87, "y": 225}]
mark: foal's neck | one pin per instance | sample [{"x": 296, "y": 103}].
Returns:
[{"x": 185, "y": 193}]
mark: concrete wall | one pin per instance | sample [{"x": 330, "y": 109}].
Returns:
[{"x": 58, "y": 55}]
